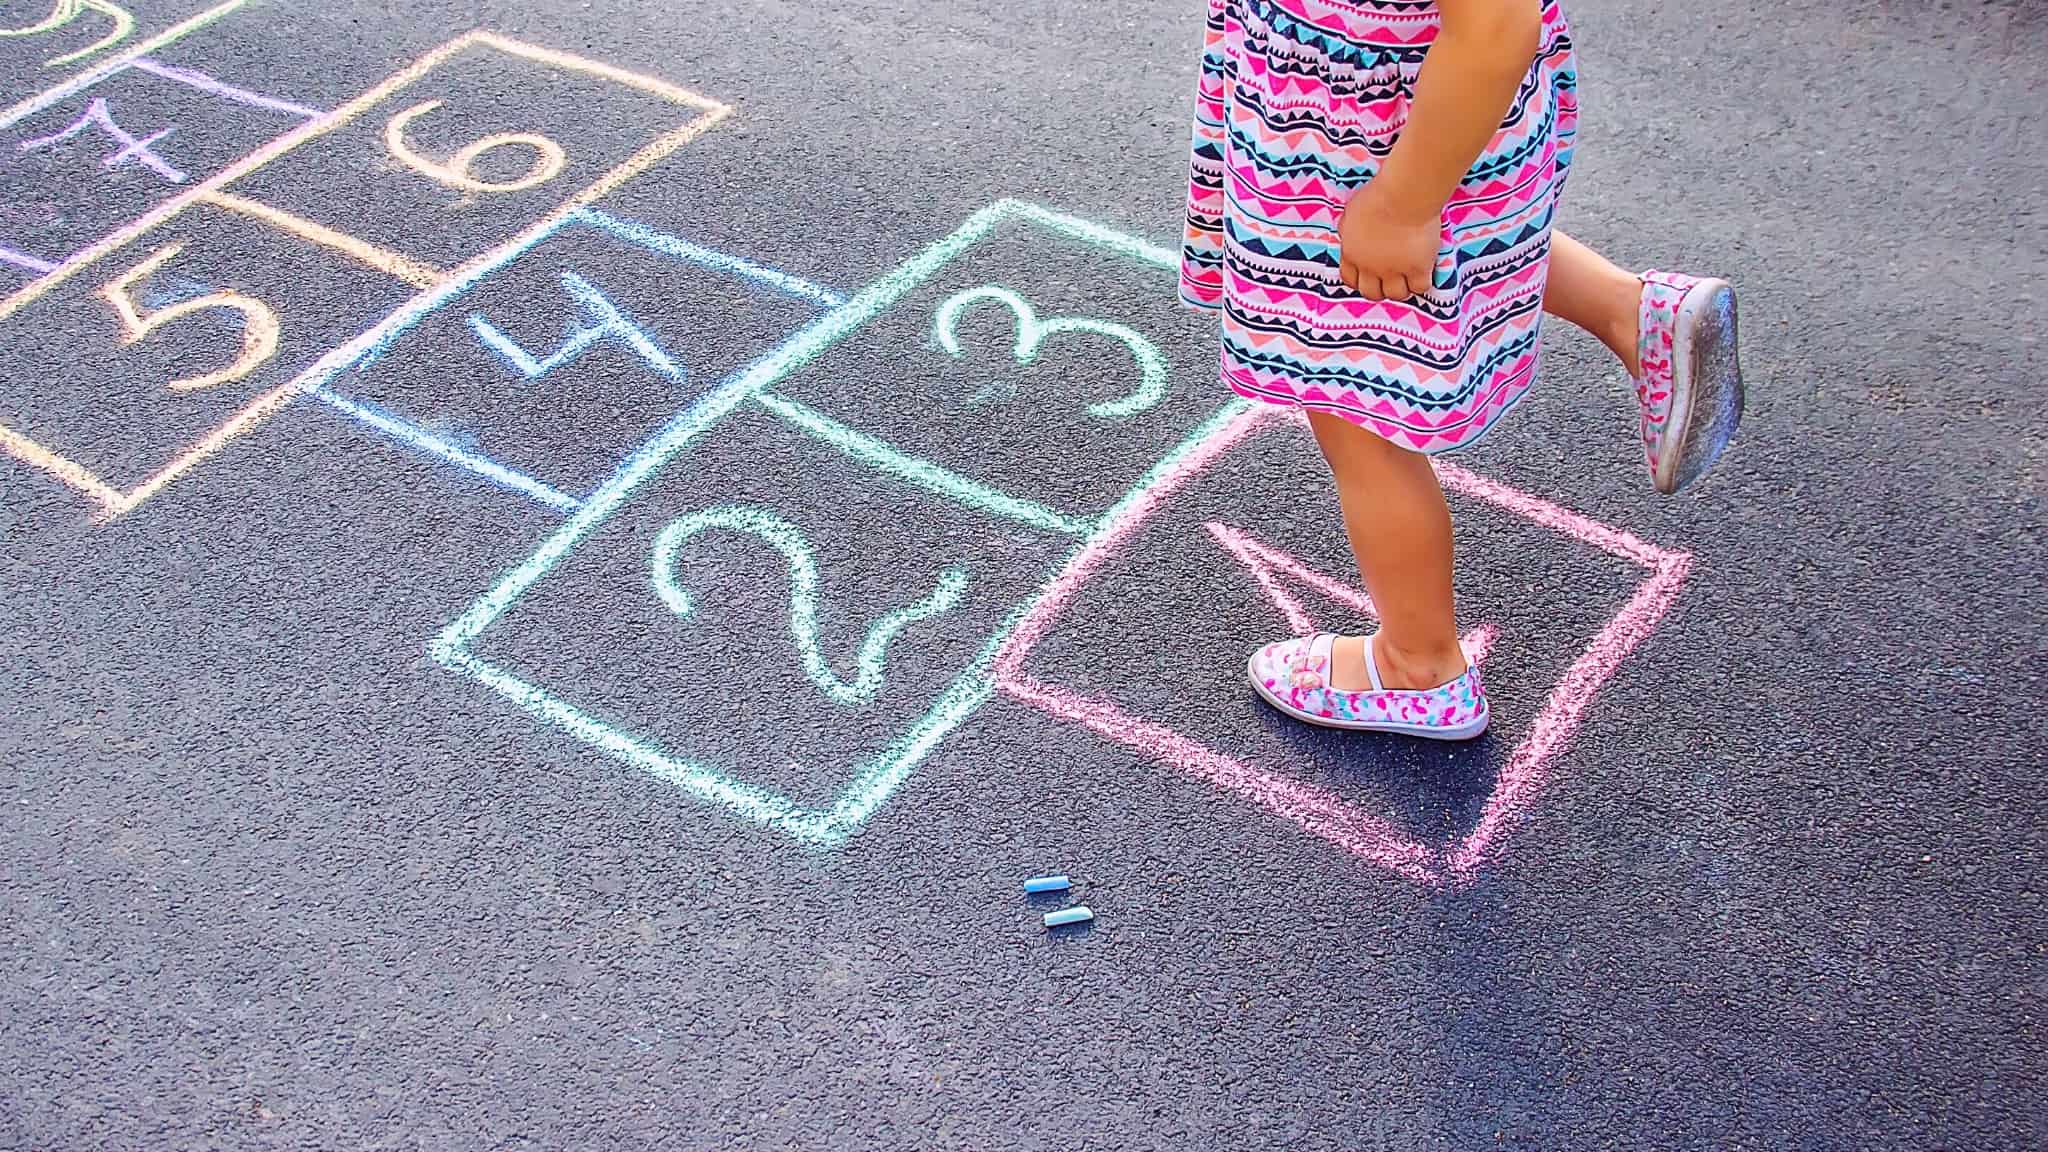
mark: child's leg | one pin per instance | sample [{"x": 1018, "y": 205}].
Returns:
[
  {"x": 1587, "y": 289},
  {"x": 1400, "y": 531},
  {"x": 1689, "y": 396}
]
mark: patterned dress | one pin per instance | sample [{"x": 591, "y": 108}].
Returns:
[{"x": 1299, "y": 104}]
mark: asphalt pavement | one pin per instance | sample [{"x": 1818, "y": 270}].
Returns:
[{"x": 561, "y": 564}]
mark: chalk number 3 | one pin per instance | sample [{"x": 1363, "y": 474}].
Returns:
[
  {"x": 1033, "y": 331},
  {"x": 259, "y": 322}
]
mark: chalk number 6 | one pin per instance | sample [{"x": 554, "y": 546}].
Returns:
[
  {"x": 259, "y": 323},
  {"x": 457, "y": 172}
]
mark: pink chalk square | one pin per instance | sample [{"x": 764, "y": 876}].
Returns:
[{"x": 1262, "y": 781}]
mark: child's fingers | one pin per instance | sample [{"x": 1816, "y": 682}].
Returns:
[
  {"x": 1369, "y": 287},
  {"x": 1348, "y": 272},
  {"x": 1396, "y": 286}
]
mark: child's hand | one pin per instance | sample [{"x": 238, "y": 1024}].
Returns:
[{"x": 1387, "y": 248}]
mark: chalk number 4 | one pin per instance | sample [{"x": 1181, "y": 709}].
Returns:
[{"x": 259, "y": 322}]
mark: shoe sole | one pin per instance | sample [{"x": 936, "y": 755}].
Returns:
[
  {"x": 1465, "y": 731},
  {"x": 1706, "y": 381}
]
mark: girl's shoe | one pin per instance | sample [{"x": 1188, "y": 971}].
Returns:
[
  {"x": 1294, "y": 676},
  {"x": 1690, "y": 391}
]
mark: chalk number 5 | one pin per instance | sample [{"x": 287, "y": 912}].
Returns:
[{"x": 259, "y": 323}]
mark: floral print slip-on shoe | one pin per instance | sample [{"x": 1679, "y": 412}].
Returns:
[
  {"x": 1690, "y": 392},
  {"x": 1294, "y": 676}
]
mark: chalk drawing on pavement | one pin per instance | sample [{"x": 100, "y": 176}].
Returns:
[
  {"x": 459, "y": 170},
  {"x": 397, "y": 265},
  {"x": 57, "y": 93},
  {"x": 200, "y": 81},
  {"x": 701, "y": 113},
  {"x": 1317, "y": 810},
  {"x": 876, "y": 775},
  {"x": 19, "y": 259},
  {"x": 601, "y": 320},
  {"x": 1273, "y": 567},
  {"x": 789, "y": 540},
  {"x": 63, "y": 12},
  {"x": 1088, "y": 541},
  {"x": 132, "y": 150},
  {"x": 1032, "y": 333},
  {"x": 258, "y": 321}
]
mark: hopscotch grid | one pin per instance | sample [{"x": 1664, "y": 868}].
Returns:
[
  {"x": 793, "y": 353},
  {"x": 710, "y": 112},
  {"x": 880, "y": 776},
  {"x": 1000, "y": 662}
]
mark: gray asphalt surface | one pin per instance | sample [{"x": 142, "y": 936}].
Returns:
[{"x": 273, "y": 876}]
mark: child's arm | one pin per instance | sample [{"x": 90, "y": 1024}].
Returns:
[{"x": 1392, "y": 227}]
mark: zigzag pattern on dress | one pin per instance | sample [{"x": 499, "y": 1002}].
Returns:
[{"x": 1299, "y": 104}]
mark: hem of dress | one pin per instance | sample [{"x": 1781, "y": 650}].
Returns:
[{"x": 1345, "y": 413}]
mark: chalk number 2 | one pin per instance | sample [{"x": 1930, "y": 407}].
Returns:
[
  {"x": 259, "y": 322},
  {"x": 789, "y": 540}
]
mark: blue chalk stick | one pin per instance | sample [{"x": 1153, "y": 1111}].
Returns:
[
  {"x": 1076, "y": 915},
  {"x": 1046, "y": 884}
]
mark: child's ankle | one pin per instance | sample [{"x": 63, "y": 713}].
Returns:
[
  {"x": 1624, "y": 338},
  {"x": 1417, "y": 670}
]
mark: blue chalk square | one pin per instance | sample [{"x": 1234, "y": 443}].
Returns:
[
  {"x": 730, "y": 613},
  {"x": 551, "y": 367}
]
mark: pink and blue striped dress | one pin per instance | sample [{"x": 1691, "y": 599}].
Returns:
[{"x": 1300, "y": 101}]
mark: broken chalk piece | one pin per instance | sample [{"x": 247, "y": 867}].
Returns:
[
  {"x": 1046, "y": 884},
  {"x": 1077, "y": 915}
]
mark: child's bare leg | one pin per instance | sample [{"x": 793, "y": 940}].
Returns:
[
  {"x": 1589, "y": 290},
  {"x": 1400, "y": 531}
]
